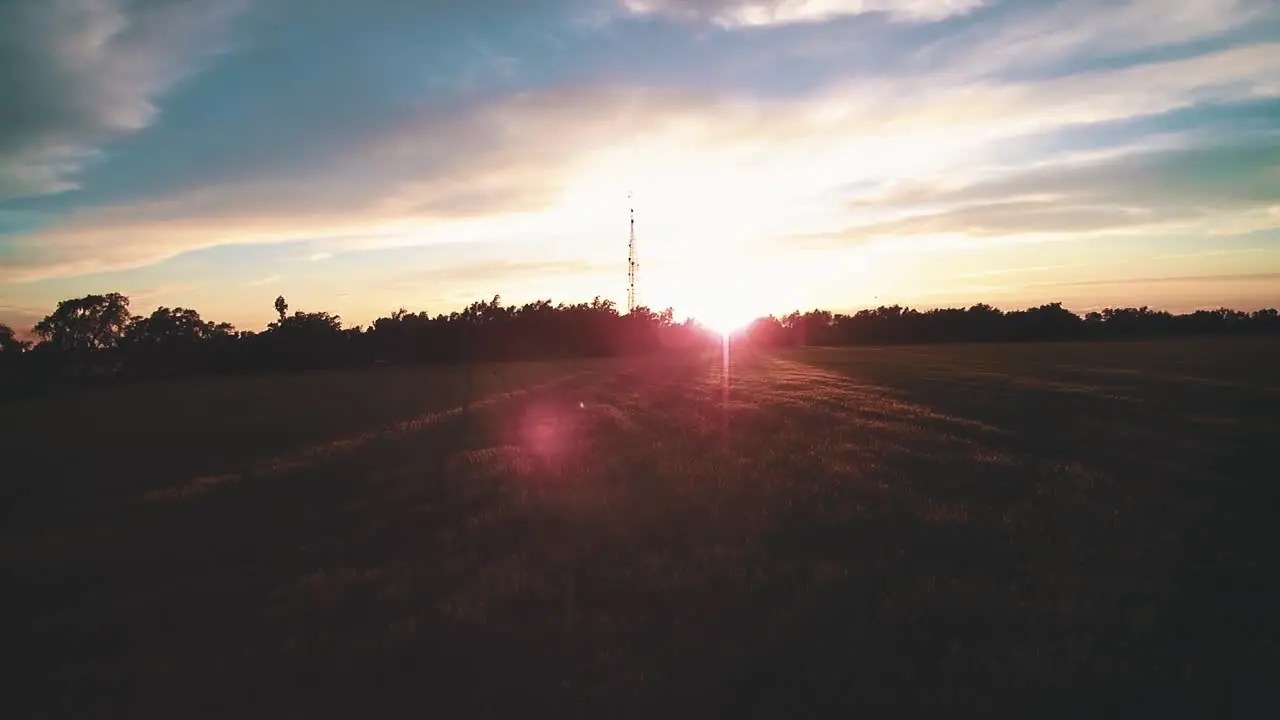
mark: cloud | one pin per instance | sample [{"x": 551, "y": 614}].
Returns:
[
  {"x": 1243, "y": 277},
  {"x": 1213, "y": 253},
  {"x": 258, "y": 282},
  {"x": 1025, "y": 37},
  {"x": 1013, "y": 271},
  {"x": 557, "y": 159},
  {"x": 21, "y": 318},
  {"x": 147, "y": 294},
  {"x": 492, "y": 271},
  {"x": 992, "y": 107},
  {"x": 79, "y": 72},
  {"x": 1021, "y": 218},
  {"x": 754, "y": 13},
  {"x": 462, "y": 173},
  {"x": 1204, "y": 188}
]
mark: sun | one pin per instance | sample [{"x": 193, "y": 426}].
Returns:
[
  {"x": 723, "y": 296},
  {"x": 723, "y": 312},
  {"x": 724, "y": 320}
]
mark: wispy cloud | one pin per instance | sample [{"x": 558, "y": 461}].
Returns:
[
  {"x": 86, "y": 71},
  {"x": 1165, "y": 279},
  {"x": 1030, "y": 37},
  {"x": 1211, "y": 253},
  {"x": 21, "y": 318},
  {"x": 498, "y": 271},
  {"x": 1207, "y": 188},
  {"x": 263, "y": 281},
  {"x": 754, "y": 13},
  {"x": 148, "y": 294},
  {"x": 1013, "y": 271}
]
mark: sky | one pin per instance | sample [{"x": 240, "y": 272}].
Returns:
[{"x": 359, "y": 157}]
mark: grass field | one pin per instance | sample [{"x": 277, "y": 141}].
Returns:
[{"x": 1057, "y": 528}]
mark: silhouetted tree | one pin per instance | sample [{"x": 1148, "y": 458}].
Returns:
[
  {"x": 305, "y": 340},
  {"x": 173, "y": 341},
  {"x": 282, "y": 307},
  {"x": 9, "y": 342},
  {"x": 14, "y": 361},
  {"x": 83, "y": 332},
  {"x": 1265, "y": 320},
  {"x": 166, "y": 327}
]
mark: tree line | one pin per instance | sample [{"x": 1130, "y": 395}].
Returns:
[
  {"x": 98, "y": 336},
  {"x": 983, "y": 323}
]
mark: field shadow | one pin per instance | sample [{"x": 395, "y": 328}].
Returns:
[
  {"x": 1122, "y": 532},
  {"x": 797, "y": 535}
]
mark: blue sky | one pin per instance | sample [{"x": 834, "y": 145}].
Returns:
[{"x": 359, "y": 157}]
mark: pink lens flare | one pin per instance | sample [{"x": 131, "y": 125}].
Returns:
[{"x": 547, "y": 429}]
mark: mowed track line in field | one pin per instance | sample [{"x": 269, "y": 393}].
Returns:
[{"x": 320, "y": 452}]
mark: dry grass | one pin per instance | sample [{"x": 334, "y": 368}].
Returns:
[{"x": 1063, "y": 528}]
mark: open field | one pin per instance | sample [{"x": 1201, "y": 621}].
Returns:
[{"x": 1056, "y": 527}]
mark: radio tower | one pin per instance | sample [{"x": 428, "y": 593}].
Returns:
[{"x": 631, "y": 261}]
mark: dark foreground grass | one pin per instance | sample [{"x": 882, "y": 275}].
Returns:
[{"x": 1061, "y": 529}]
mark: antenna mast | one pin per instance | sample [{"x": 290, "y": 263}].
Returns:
[{"x": 631, "y": 261}]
